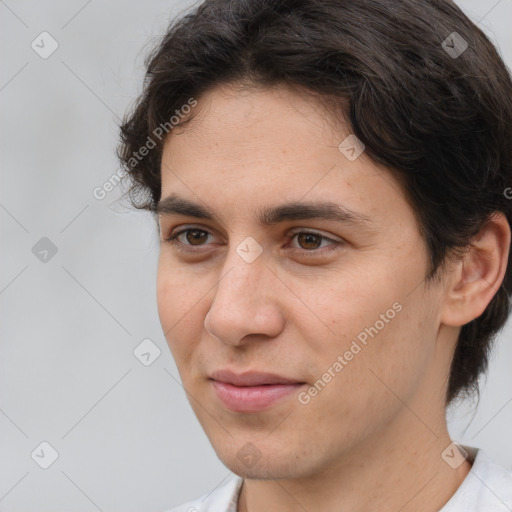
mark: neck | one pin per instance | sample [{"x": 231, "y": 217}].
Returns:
[{"x": 400, "y": 469}]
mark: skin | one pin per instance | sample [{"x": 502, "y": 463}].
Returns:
[{"x": 372, "y": 438}]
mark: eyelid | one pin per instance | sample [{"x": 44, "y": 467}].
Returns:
[
  {"x": 180, "y": 246},
  {"x": 313, "y": 231},
  {"x": 180, "y": 229},
  {"x": 184, "y": 228}
]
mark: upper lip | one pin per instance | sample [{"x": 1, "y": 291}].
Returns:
[{"x": 251, "y": 378}]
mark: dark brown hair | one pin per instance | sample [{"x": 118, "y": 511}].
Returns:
[{"x": 421, "y": 85}]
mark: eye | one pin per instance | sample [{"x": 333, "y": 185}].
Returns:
[
  {"x": 193, "y": 235},
  {"x": 309, "y": 241}
]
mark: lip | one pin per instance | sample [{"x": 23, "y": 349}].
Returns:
[
  {"x": 252, "y": 378},
  {"x": 251, "y": 391}
]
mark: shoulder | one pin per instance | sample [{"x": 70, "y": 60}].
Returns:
[
  {"x": 487, "y": 486},
  {"x": 223, "y": 499}
]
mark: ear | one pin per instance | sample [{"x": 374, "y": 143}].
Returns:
[{"x": 475, "y": 279}]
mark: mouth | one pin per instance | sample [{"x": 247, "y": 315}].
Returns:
[{"x": 252, "y": 391}]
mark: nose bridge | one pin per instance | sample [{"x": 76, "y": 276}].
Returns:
[
  {"x": 239, "y": 284},
  {"x": 246, "y": 269},
  {"x": 243, "y": 302}
]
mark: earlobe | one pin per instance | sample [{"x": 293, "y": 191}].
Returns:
[{"x": 478, "y": 275}]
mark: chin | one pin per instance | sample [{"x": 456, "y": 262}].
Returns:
[
  {"x": 262, "y": 460},
  {"x": 263, "y": 469}
]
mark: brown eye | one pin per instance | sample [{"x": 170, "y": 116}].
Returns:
[
  {"x": 191, "y": 237},
  {"x": 312, "y": 244},
  {"x": 309, "y": 241},
  {"x": 195, "y": 236}
]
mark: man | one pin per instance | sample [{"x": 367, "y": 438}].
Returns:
[{"x": 329, "y": 182}]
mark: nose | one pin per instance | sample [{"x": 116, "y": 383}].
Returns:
[{"x": 246, "y": 304}]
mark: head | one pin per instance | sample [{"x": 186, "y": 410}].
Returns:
[{"x": 261, "y": 113}]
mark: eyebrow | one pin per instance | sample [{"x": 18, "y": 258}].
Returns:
[{"x": 270, "y": 215}]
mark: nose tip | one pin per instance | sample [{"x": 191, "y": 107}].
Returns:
[{"x": 245, "y": 306}]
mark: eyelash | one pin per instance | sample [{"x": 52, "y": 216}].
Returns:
[{"x": 173, "y": 241}]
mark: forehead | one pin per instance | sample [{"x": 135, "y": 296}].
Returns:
[
  {"x": 273, "y": 106},
  {"x": 257, "y": 146},
  {"x": 279, "y": 127}
]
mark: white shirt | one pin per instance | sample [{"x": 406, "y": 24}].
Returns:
[{"x": 486, "y": 488}]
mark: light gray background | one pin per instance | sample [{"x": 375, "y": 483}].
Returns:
[{"x": 125, "y": 434}]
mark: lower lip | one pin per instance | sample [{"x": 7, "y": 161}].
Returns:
[{"x": 252, "y": 398}]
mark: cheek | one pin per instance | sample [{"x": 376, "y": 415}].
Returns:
[
  {"x": 372, "y": 385},
  {"x": 348, "y": 310},
  {"x": 385, "y": 360},
  {"x": 168, "y": 305},
  {"x": 179, "y": 310},
  {"x": 378, "y": 327}
]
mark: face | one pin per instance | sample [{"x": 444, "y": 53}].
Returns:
[{"x": 289, "y": 334}]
